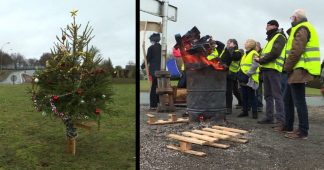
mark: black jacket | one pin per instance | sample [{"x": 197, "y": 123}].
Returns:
[
  {"x": 154, "y": 58},
  {"x": 230, "y": 55}
]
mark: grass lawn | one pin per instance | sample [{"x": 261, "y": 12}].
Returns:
[
  {"x": 4, "y": 74},
  {"x": 29, "y": 140},
  {"x": 313, "y": 92},
  {"x": 145, "y": 87}
]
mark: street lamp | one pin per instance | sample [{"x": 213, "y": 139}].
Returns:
[{"x": 2, "y": 51}]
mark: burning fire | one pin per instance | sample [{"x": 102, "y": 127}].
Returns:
[{"x": 194, "y": 49}]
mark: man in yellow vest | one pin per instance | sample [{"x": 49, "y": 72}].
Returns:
[
  {"x": 302, "y": 63},
  {"x": 271, "y": 61}
]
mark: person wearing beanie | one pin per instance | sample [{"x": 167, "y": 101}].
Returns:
[
  {"x": 302, "y": 63},
  {"x": 271, "y": 65},
  {"x": 248, "y": 76},
  {"x": 154, "y": 64}
]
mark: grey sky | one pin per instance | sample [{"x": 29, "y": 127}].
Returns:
[
  {"x": 239, "y": 19},
  {"x": 31, "y": 26}
]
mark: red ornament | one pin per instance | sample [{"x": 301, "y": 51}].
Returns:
[
  {"x": 79, "y": 91},
  {"x": 201, "y": 118},
  {"x": 97, "y": 111},
  {"x": 55, "y": 98}
]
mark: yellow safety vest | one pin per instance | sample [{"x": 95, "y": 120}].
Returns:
[
  {"x": 235, "y": 65},
  {"x": 214, "y": 54},
  {"x": 310, "y": 58},
  {"x": 278, "y": 63},
  {"x": 246, "y": 63}
]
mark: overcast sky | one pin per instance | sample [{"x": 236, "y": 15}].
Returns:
[
  {"x": 239, "y": 19},
  {"x": 31, "y": 26}
]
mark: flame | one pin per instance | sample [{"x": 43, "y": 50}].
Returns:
[{"x": 196, "y": 58}]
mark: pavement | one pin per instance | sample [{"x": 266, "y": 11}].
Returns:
[
  {"x": 18, "y": 74},
  {"x": 266, "y": 148}
]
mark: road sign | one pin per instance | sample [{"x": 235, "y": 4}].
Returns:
[
  {"x": 155, "y": 7},
  {"x": 13, "y": 78},
  {"x": 150, "y": 26}
]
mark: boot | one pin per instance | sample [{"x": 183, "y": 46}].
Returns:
[
  {"x": 243, "y": 114},
  {"x": 254, "y": 115},
  {"x": 228, "y": 111}
]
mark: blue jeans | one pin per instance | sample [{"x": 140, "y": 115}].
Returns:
[
  {"x": 294, "y": 96},
  {"x": 284, "y": 82}
]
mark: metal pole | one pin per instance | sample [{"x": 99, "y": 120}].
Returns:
[{"x": 164, "y": 33}]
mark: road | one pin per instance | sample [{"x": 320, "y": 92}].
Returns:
[{"x": 18, "y": 75}]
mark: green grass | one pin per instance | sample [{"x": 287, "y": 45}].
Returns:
[
  {"x": 145, "y": 87},
  {"x": 4, "y": 74},
  {"x": 313, "y": 92},
  {"x": 29, "y": 140}
]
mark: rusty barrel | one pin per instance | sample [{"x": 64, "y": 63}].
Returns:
[{"x": 206, "y": 89}]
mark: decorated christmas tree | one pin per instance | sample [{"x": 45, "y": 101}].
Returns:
[{"x": 72, "y": 87}]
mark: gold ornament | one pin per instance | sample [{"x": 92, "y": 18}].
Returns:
[{"x": 74, "y": 12}]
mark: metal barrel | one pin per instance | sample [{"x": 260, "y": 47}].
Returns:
[{"x": 206, "y": 96}]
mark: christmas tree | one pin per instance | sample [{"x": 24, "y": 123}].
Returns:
[{"x": 72, "y": 86}]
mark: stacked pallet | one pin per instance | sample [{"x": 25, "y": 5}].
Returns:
[
  {"x": 172, "y": 119},
  {"x": 207, "y": 137}
]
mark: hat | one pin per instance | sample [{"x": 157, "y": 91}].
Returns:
[
  {"x": 273, "y": 22},
  {"x": 155, "y": 37}
]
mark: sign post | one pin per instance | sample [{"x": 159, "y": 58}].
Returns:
[{"x": 13, "y": 78}]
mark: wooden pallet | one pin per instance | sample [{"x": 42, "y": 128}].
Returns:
[
  {"x": 172, "y": 119},
  {"x": 87, "y": 125},
  {"x": 207, "y": 137}
]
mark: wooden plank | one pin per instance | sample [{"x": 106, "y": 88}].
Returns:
[
  {"x": 230, "y": 129},
  {"x": 150, "y": 115},
  {"x": 88, "y": 125},
  {"x": 184, "y": 146},
  {"x": 163, "y": 122},
  {"x": 187, "y": 139},
  {"x": 220, "y": 136},
  {"x": 198, "y": 136},
  {"x": 222, "y": 132},
  {"x": 150, "y": 26},
  {"x": 173, "y": 117},
  {"x": 218, "y": 145},
  {"x": 187, "y": 151},
  {"x": 238, "y": 140},
  {"x": 182, "y": 119},
  {"x": 71, "y": 145}
]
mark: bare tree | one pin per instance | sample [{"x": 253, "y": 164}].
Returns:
[
  {"x": 44, "y": 58},
  {"x": 32, "y": 62}
]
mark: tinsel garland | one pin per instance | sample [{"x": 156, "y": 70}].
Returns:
[{"x": 70, "y": 129}]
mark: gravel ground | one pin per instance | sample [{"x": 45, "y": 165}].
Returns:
[{"x": 266, "y": 149}]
